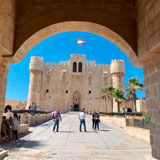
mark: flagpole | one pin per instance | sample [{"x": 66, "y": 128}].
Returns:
[{"x": 77, "y": 48}]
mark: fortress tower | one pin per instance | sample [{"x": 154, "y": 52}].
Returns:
[
  {"x": 117, "y": 73},
  {"x": 77, "y": 63},
  {"x": 36, "y": 68}
]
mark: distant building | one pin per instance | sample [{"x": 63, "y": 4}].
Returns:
[
  {"x": 73, "y": 85},
  {"x": 15, "y": 104}
]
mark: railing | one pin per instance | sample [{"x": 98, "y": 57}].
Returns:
[
  {"x": 121, "y": 114},
  {"x": 30, "y": 111}
]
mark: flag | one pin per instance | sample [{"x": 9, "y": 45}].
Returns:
[{"x": 80, "y": 42}]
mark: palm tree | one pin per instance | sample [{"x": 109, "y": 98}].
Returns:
[
  {"x": 133, "y": 86},
  {"x": 110, "y": 93},
  {"x": 103, "y": 94},
  {"x": 119, "y": 97}
]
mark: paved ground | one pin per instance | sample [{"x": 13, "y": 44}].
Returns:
[{"x": 110, "y": 143}]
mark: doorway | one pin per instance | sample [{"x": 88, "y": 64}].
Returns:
[{"x": 76, "y": 107}]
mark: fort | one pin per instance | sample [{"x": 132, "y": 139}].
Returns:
[{"x": 73, "y": 84}]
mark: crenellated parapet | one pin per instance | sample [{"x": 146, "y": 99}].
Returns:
[
  {"x": 36, "y": 63},
  {"x": 117, "y": 67},
  {"x": 77, "y": 57}
]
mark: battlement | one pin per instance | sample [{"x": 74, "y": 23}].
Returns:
[
  {"x": 35, "y": 59},
  {"x": 77, "y": 55},
  {"x": 117, "y": 61},
  {"x": 36, "y": 63},
  {"x": 93, "y": 63},
  {"x": 117, "y": 66}
]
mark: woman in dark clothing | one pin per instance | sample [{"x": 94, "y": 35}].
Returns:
[
  {"x": 97, "y": 120},
  {"x": 93, "y": 120}
]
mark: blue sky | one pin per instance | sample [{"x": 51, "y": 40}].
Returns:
[{"x": 59, "y": 47}]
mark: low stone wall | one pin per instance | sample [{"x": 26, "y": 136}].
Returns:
[
  {"x": 136, "y": 132},
  {"x": 139, "y": 133},
  {"x": 26, "y": 118},
  {"x": 118, "y": 121},
  {"x": 29, "y": 119},
  {"x": 24, "y": 128}
]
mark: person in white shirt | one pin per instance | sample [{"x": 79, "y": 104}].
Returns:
[{"x": 82, "y": 117}]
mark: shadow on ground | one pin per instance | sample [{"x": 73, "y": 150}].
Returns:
[{"x": 22, "y": 143}]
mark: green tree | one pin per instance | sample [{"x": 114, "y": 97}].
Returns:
[
  {"x": 119, "y": 97},
  {"x": 133, "y": 86},
  {"x": 103, "y": 94},
  {"x": 110, "y": 93}
]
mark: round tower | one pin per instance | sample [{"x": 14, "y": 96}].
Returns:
[
  {"x": 117, "y": 74},
  {"x": 36, "y": 68}
]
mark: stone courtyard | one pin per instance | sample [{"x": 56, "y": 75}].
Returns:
[{"x": 109, "y": 143}]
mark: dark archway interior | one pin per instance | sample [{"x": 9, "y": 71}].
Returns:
[
  {"x": 8, "y": 108},
  {"x": 76, "y": 107}
]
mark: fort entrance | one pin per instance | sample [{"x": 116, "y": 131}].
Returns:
[{"x": 76, "y": 101}]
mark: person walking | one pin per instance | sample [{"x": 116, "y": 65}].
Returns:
[
  {"x": 15, "y": 128},
  {"x": 57, "y": 117},
  {"x": 82, "y": 117},
  {"x": 97, "y": 120},
  {"x": 93, "y": 120}
]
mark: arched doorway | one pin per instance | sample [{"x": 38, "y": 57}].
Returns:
[
  {"x": 8, "y": 108},
  {"x": 76, "y": 101}
]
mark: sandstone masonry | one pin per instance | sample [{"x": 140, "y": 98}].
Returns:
[{"x": 72, "y": 84}]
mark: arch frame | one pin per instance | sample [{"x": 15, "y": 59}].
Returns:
[{"x": 73, "y": 26}]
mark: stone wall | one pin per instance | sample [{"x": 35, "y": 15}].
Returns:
[
  {"x": 152, "y": 91},
  {"x": 139, "y": 133},
  {"x": 148, "y": 30},
  {"x": 56, "y": 86},
  {"x": 26, "y": 118},
  {"x": 29, "y": 119},
  {"x": 7, "y": 26},
  {"x": 15, "y": 104},
  {"x": 24, "y": 128},
  {"x": 128, "y": 126}
]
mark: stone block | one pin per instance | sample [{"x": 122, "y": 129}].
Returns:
[
  {"x": 139, "y": 133},
  {"x": 155, "y": 77},
  {"x": 154, "y": 152},
  {"x": 157, "y": 7},
  {"x": 3, "y": 153},
  {"x": 24, "y": 128}
]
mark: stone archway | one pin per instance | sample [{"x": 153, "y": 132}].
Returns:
[
  {"x": 74, "y": 26},
  {"x": 135, "y": 22}
]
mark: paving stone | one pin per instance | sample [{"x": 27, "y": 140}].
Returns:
[{"x": 70, "y": 144}]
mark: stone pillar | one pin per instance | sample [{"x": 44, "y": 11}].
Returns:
[
  {"x": 152, "y": 90},
  {"x": 3, "y": 83}
]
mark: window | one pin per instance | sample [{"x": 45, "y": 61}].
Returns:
[
  {"x": 47, "y": 91},
  {"x": 80, "y": 67},
  {"x": 66, "y": 91},
  {"x": 89, "y": 92},
  {"x": 74, "y": 67}
]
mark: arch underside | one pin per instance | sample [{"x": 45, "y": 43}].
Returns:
[
  {"x": 74, "y": 26},
  {"x": 37, "y": 20}
]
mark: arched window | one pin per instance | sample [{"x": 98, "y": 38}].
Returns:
[
  {"x": 80, "y": 67},
  {"x": 74, "y": 67}
]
